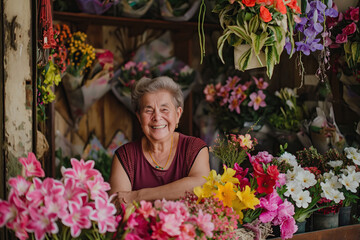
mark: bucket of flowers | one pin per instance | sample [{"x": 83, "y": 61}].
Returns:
[{"x": 77, "y": 206}]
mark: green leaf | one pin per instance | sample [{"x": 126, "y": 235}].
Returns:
[
  {"x": 355, "y": 51},
  {"x": 254, "y": 24},
  {"x": 258, "y": 41},
  {"x": 244, "y": 60},
  {"x": 220, "y": 44},
  {"x": 240, "y": 32},
  {"x": 278, "y": 33},
  {"x": 270, "y": 61}
]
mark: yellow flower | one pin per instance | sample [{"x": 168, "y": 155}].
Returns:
[
  {"x": 226, "y": 193},
  {"x": 206, "y": 191},
  {"x": 248, "y": 198},
  {"x": 246, "y": 141},
  {"x": 238, "y": 206},
  {"x": 228, "y": 176}
]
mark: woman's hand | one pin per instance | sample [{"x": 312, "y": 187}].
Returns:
[{"x": 124, "y": 198}]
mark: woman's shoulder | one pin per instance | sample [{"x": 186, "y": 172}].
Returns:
[
  {"x": 189, "y": 140},
  {"x": 128, "y": 147}
]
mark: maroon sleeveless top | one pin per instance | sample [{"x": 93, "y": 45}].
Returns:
[{"x": 143, "y": 175}]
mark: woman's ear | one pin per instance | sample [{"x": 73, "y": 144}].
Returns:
[{"x": 179, "y": 112}]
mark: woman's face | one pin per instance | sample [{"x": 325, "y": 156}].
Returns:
[{"x": 158, "y": 115}]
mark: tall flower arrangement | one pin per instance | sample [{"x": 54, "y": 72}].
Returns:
[
  {"x": 238, "y": 101},
  {"x": 75, "y": 206}
]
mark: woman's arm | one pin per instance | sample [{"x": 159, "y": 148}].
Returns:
[{"x": 169, "y": 191}]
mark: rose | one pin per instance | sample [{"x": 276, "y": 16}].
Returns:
[
  {"x": 349, "y": 29},
  {"x": 354, "y": 14},
  {"x": 249, "y": 3},
  {"x": 341, "y": 38},
  {"x": 265, "y": 15}
]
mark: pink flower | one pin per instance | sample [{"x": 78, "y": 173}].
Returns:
[
  {"x": 349, "y": 29},
  {"x": 231, "y": 82},
  {"x": 104, "y": 214},
  {"x": 129, "y": 65},
  {"x": 170, "y": 224},
  {"x": 257, "y": 100},
  {"x": 73, "y": 192},
  {"x": 205, "y": 224},
  {"x": 270, "y": 204},
  {"x": 32, "y": 167},
  {"x": 210, "y": 92},
  {"x": 55, "y": 204},
  {"x": 77, "y": 219},
  {"x": 42, "y": 223},
  {"x": 19, "y": 227},
  {"x": 20, "y": 185},
  {"x": 354, "y": 14},
  {"x": 260, "y": 83},
  {"x": 187, "y": 232},
  {"x": 288, "y": 227},
  {"x": 341, "y": 38},
  {"x": 47, "y": 188},
  {"x": 281, "y": 181},
  {"x": 7, "y": 212},
  {"x": 224, "y": 94},
  {"x": 131, "y": 236},
  {"x": 81, "y": 170},
  {"x": 146, "y": 209},
  {"x": 98, "y": 187},
  {"x": 234, "y": 104},
  {"x": 285, "y": 210},
  {"x": 158, "y": 232},
  {"x": 264, "y": 157}
]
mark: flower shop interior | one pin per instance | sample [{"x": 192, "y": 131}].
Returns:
[{"x": 272, "y": 87}]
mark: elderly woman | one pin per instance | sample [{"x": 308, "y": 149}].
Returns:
[{"x": 163, "y": 163}]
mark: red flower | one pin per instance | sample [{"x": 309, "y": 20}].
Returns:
[
  {"x": 265, "y": 184},
  {"x": 249, "y": 3},
  {"x": 354, "y": 14},
  {"x": 349, "y": 29},
  {"x": 258, "y": 170},
  {"x": 273, "y": 172},
  {"x": 280, "y": 6},
  {"x": 341, "y": 38},
  {"x": 265, "y": 15}
]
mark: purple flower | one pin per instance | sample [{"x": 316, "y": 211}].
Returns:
[
  {"x": 303, "y": 48},
  {"x": 331, "y": 12},
  {"x": 288, "y": 46},
  {"x": 315, "y": 45}
]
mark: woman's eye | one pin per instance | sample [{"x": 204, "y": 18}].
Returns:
[{"x": 164, "y": 110}]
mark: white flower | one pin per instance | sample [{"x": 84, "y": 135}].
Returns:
[
  {"x": 349, "y": 183},
  {"x": 302, "y": 199},
  {"x": 328, "y": 175},
  {"x": 288, "y": 158},
  {"x": 306, "y": 179},
  {"x": 290, "y": 104},
  {"x": 334, "y": 164},
  {"x": 327, "y": 191},
  {"x": 291, "y": 174},
  {"x": 293, "y": 189},
  {"x": 353, "y": 154},
  {"x": 333, "y": 182},
  {"x": 338, "y": 196}
]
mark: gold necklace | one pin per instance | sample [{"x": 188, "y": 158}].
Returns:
[{"x": 157, "y": 165}]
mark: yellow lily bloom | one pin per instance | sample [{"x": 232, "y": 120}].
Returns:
[
  {"x": 228, "y": 176},
  {"x": 248, "y": 198},
  {"x": 226, "y": 194}
]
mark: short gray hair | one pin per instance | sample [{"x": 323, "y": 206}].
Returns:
[{"x": 151, "y": 85}]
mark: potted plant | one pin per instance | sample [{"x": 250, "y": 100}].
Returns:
[{"x": 257, "y": 29}]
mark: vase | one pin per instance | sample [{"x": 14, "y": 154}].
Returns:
[
  {"x": 301, "y": 226},
  {"x": 239, "y": 50},
  {"x": 325, "y": 221},
  {"x": 345, "y": 216}
]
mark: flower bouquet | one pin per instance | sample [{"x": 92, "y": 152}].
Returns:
[
  {"x": 75, "y": 206},
  {"x": 262, "y": 25},
  {"x": 165, "y": 220},
  {"x": 237, "y": 102},
  {"x": 345, "y": 36}
]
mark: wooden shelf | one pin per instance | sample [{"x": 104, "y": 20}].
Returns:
[
  {"x": 351, "y": 232},
  {"x": 84, "y": 18}
]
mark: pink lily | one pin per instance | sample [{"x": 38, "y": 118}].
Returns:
[
  {"x": 42, "y": 223},
  {"x": 81, "y": 170},
  {"x": 72, "y": 191},
  {"x": 20, "y": 185},
  {"x": 98, "y": 187},
  {"x": 77, "y": 219},
  {"x": 146, "y": 209},
  {"x": 104, "y": 214},
  {"x": 257, "y": 100},
  {"x": 32, "y": 167}
]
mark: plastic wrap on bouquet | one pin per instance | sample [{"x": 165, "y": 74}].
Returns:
[
  {"x": 324, "y": 132},
  {"x": 71, "y": 82},
  {"x": 81, "y": 99},
  {"x": 129, "y": 11},
  {"x": 167, "y": 12},
  {"x": 93, "y": 6}
]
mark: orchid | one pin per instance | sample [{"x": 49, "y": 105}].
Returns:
[{"x": 48, "y": 208}]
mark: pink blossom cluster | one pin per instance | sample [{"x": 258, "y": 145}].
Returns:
[
  {"x": 279, "y": 213},
  {"x": 48, "y": 207},
  {"x": 167, "y": 220},
  {"x": 234, "y": 94},
  {"x": 224, "y": 219}
]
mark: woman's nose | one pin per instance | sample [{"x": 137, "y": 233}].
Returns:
[{"x": 156, "y": 115}]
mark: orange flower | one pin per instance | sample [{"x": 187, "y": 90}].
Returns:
[
  {"x": 265, "y": 15},
  {"x": 280, "y": 6},
  {"x": 293, "y": 5},
  {"x": 249, "y": 3}
]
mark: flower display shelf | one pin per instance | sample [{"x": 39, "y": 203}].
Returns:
[
  {"x": 351, "y": 232},
  {"x": 131, "y": 22}
]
